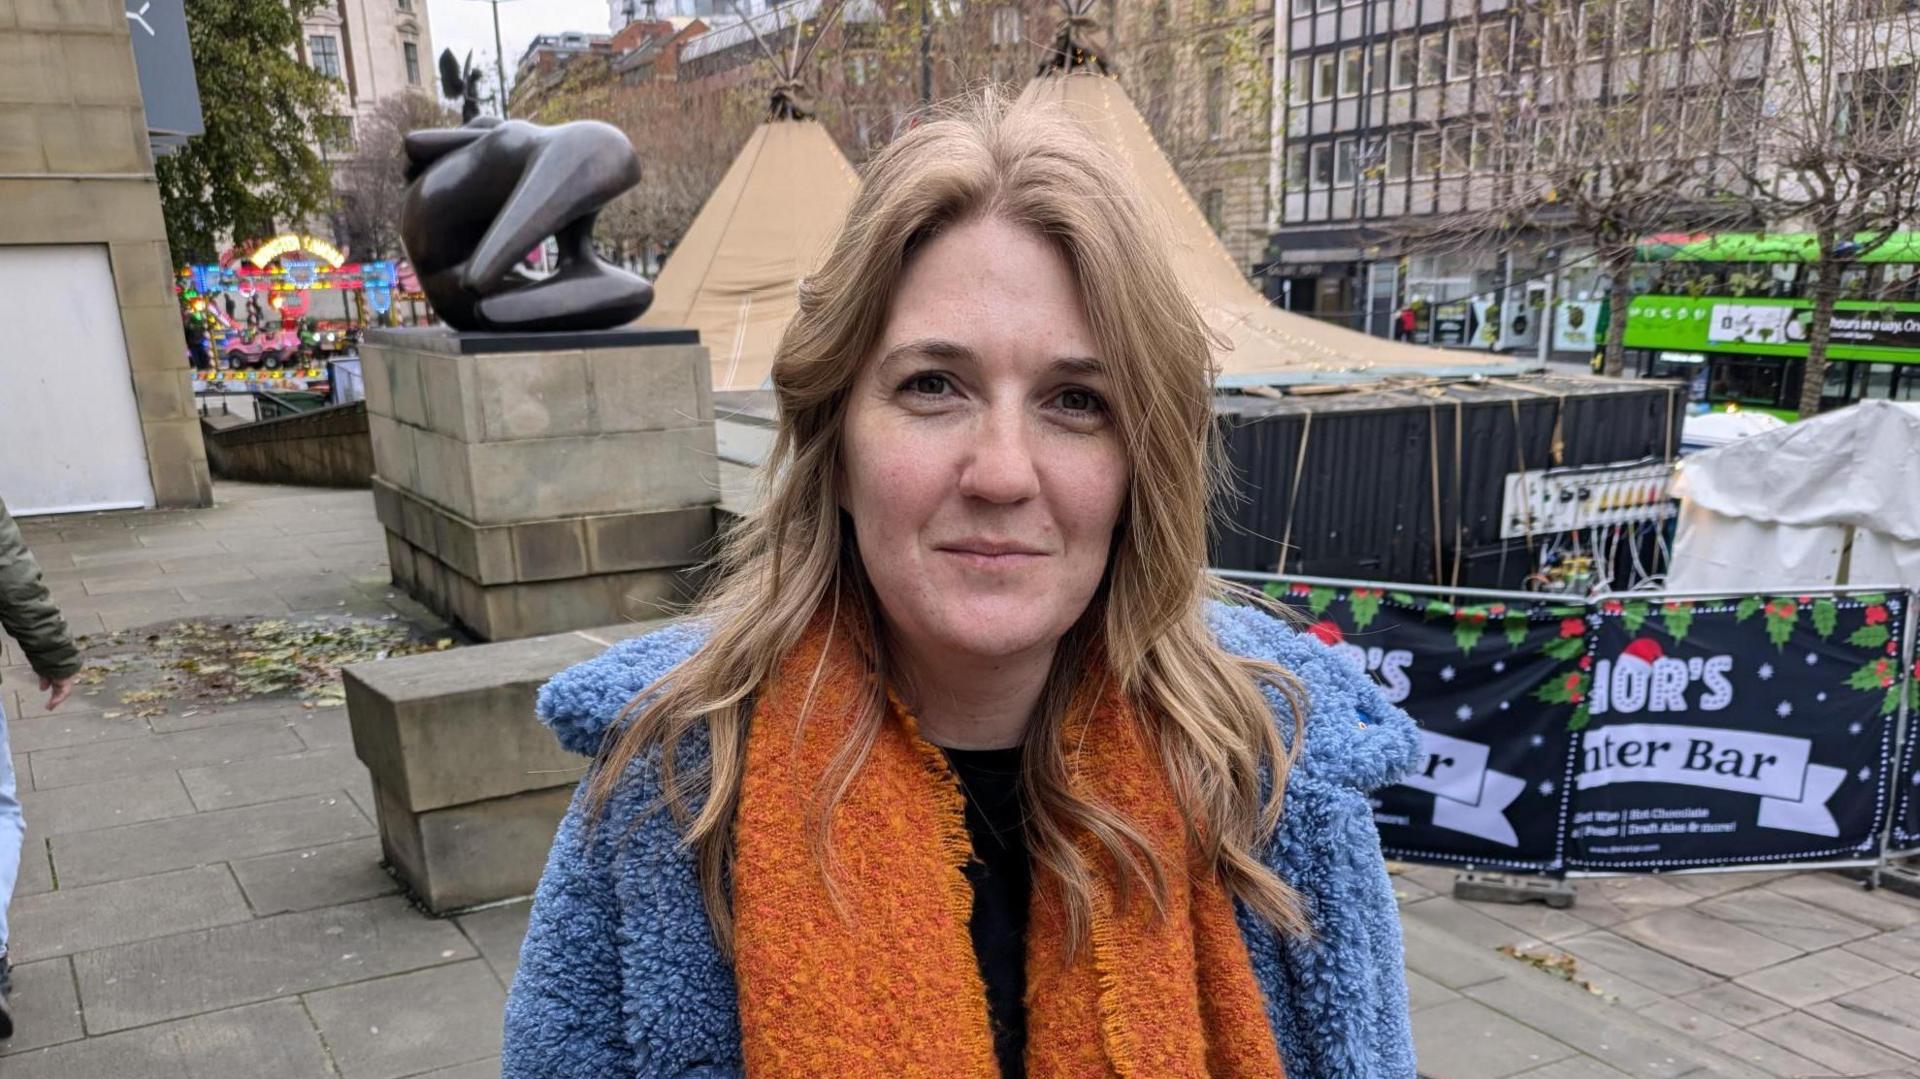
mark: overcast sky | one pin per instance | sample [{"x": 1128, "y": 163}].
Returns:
[{"x": 461, "y": 25}]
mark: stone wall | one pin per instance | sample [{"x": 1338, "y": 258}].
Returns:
[
  {"x": 75, "y": 169},
  {"x": 327, "y": 447}
]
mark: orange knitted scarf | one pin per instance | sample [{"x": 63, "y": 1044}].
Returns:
[{"x": 893, "y": 988}]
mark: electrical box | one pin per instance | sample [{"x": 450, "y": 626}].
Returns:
[{"x": 1572, "y": 499}]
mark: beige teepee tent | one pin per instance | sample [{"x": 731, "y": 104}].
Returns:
[
  {"x": 734, "y": 276},
  {"x": 1265, "y": 345}
]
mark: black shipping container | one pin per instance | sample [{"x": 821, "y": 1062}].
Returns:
[{"x": 1400, "y": 482}]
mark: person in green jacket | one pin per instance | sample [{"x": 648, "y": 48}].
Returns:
[{"x": 28, "y": 615}]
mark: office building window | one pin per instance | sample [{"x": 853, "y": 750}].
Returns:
[
  {"x": 412, "y": 53},
  {"x": 1426, "y": 153},
  {"x": 1456, "y": 150},
  {"x": 1460, "y": 61},
  {"x": 1216, "y": 102},
  {"x": 336, "y": 134},
  {"x": 405, "y": 5},
  {"x": 1320, "y": 165},
  {"x": 1343, "y": 162},
  {"x": 1325, "y": 66},
  {"x": 1296, "y": 168},
  {"x": 1303, "y": 7},
  {"x": 1399, "y": 155},
  {"x": 325, "y": 49},
  {"x": 1351, "y": 70},
  {"x": 1300, "y": 80},
  {"x": 1404, "y": 62},
  {"x": 1493, "y": 47},
  {"x": 1433, "y": 57}
]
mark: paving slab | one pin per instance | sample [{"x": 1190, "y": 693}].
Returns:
[
  {"x": 160, "y": 753},
  {"x": 314, "y": 877},
  {"x": 78, "y": 919},
  {"x": 1829, "y": 1045},
  {"x": 479, "y": 1069},
  {"x": 1781, "y": 917},
  {"x": 1607, "y": 901},
  {"x": 87, "y": 806},
  {"x": 1880, "y": 909},
  {"x": 151, "y": 981},
  {"x": 1811, "y": 979},
  {"x": 1465, "y": 1039},
  {"x": 375, "y": 1029},
  {"x": 498, "y": 932},
  {"x": 36, "y": 867},
  {"x": 323, "y": 728},
  {"x": 1768, "y": 1057},
  {"x": 1731, "y": 1004},
  {"x": 1574, "y": 1068},
  {"x": 274, "y": 1040},
  {"x": 185, "y": 716},
  {"x": 45, "y": 1009},
  {"x": 1618, "y": 1036},
  {"x": 1899, "y": 949},
  {"x": 204, "y": 838},
  {"x": 270, "y": 779},
  {"x": 1422, "y": 991},
  {"x": 70, "y": 727},
  {"x": 1637, "y": 964},
  {"x": 1887, "y": 1012},
  {"x": 1705, "y": 942}
]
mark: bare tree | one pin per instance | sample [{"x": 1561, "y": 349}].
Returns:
[
  {"x": 369, "y": 185},
  {"x": 1839, "y": 142},
  {"x": 1600, "y": 121}
]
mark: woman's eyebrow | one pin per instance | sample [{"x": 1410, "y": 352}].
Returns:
[
  {"x": 932, "y": 348},
  {"x": 1080, "y": 366}
]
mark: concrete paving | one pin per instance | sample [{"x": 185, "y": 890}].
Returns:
[{"x": 201, "y": 892}]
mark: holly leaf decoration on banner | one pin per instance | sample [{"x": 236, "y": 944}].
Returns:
[
  {"x": 1364, "y": 603},
  {"x": 1869, "y": 636},
  {"x": 1515, "y": 626},
  {"x": 1872, "y": 599},
  {"x": 1469, "y": 625},
  {"x": 1564, "y": 648},
  {"x": 1319, "y": 599},
  {"x": 1874, "y": 674},
  {"x": 1437, "y": 609},
  {"x": 1578, "y": 721},
  {"x": 1678, "y": 617},
  {"x": 1274, "y": 590},
  {"x": 1825, "y": 614},
  {"x": 1634, "y": 615},
  {"x": 1566, "y": 687},
  {"x": 1404, "y": 599},
  {"x": 1782, "y": 616},
  {"x": 1747, "y": 607}
]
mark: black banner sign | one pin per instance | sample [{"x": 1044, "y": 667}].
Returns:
[
  {"x": 1906, "y": 818},
  {"x": 1737, "y": 732},
  {"x": 1493, "y": 688}
]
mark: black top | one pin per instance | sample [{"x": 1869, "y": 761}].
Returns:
[{"x": 1002, "y": 881}]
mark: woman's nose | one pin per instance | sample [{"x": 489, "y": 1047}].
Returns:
[{"x": 1000, "y": 465}]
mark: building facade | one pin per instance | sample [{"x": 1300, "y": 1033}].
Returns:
[
  {"x": 1200, "y": 71},
  {"x": 96, "y": 400},
  {"x": 374, "y": 49}
]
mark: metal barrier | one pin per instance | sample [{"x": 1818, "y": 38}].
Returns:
[{"x": 1638, "y": 732}]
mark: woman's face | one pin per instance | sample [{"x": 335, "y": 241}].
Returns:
[{"x": 981, "y": 466}]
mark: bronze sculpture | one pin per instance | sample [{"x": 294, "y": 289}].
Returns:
[{"x": 482, "y": 195}]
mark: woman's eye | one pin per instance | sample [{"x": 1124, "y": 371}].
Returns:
[
  {"x": 928, "y": 385},
  {"x": 1081, "y": 401}
]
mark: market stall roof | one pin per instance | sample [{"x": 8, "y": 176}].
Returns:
[
  {"x": 1264, "y": 345},
  {"x": 735, "y": 275},
  {"x": 1857, "y": 466},
  {"x": 1715, "y": 429}
]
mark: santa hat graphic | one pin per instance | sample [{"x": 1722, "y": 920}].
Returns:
[{"x": 1640, "y": 653}]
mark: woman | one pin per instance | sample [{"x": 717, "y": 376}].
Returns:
[{"x": 961, "y": 770}]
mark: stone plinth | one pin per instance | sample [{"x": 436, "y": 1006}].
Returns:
[
  {"x": 536, "y": 483},
  {"x": 468, "y": 786}
]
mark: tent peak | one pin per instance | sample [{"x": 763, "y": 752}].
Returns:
[{"x": 1079, "y": 42}]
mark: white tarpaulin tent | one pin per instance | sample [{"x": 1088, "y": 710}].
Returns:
[{"x": 1830, "y": 500}]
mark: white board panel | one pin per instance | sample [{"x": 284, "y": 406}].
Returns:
[{"x": 69, "y": 429}]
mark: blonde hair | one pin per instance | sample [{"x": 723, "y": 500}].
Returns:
[{"x": 1032, "y": 166}]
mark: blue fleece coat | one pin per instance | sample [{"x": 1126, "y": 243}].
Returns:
[{"x": 619, "y": 975}]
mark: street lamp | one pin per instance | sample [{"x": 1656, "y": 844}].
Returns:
[{"x": 499, "y": 59}]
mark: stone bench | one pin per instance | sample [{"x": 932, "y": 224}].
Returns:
[{"x": 468, "y": 785}]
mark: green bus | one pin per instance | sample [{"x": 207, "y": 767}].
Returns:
[{"x": 1728, "y": 312}]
